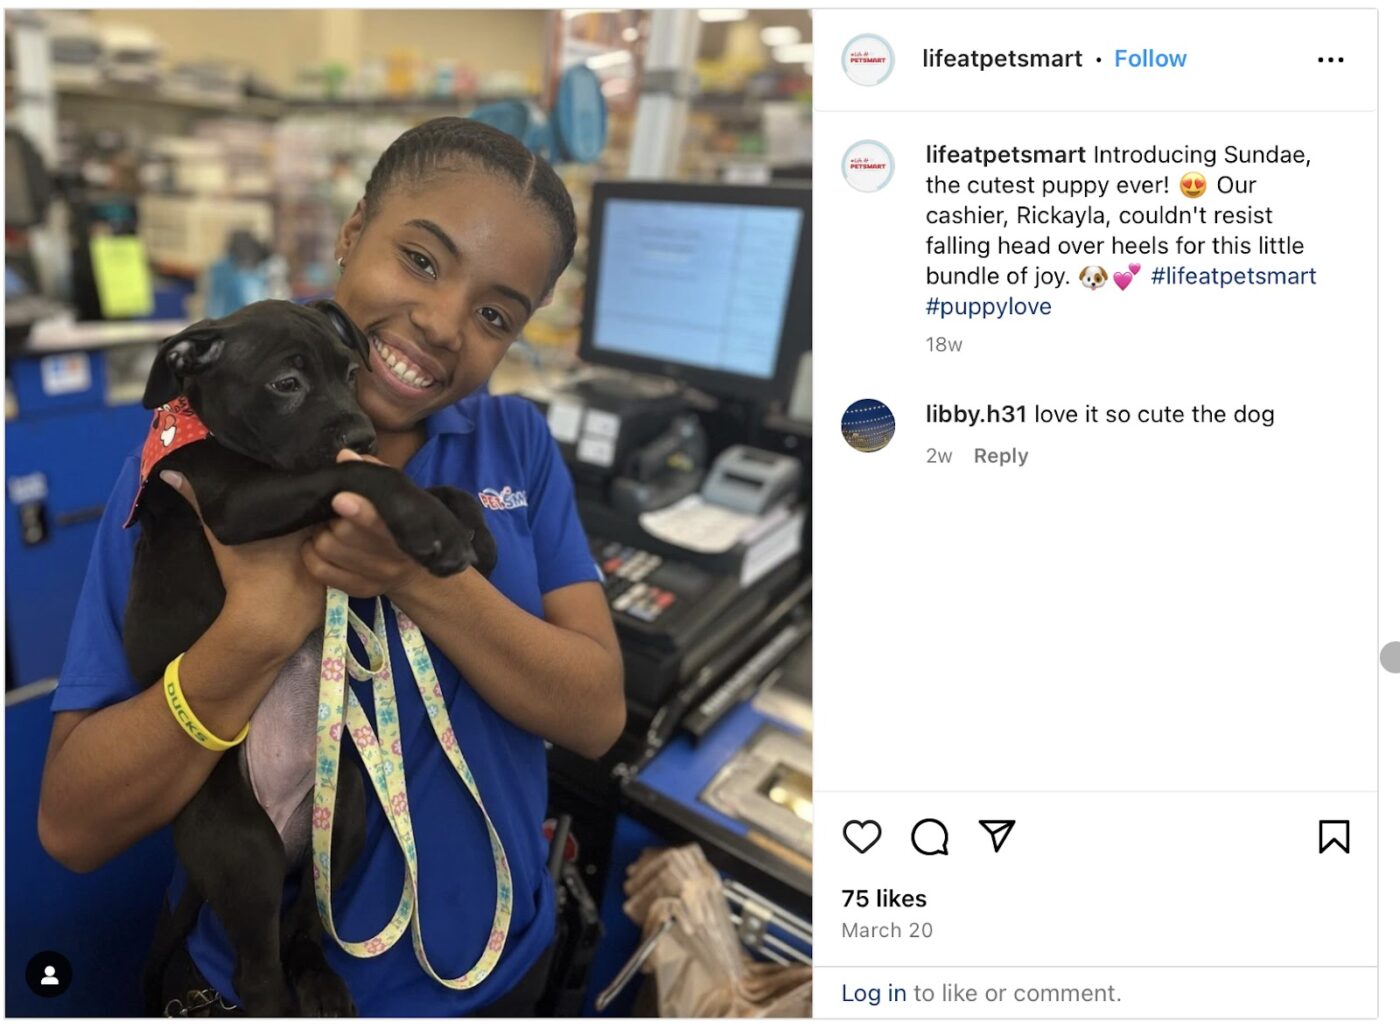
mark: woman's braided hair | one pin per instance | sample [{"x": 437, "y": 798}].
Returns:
[{"x": 450, "y": 143}]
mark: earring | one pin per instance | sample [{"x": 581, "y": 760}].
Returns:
[{"x": 341, "y": 262}]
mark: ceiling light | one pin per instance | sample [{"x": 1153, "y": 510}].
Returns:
[
  {"x": 723, "y": 14},
  {"x": 780, "y": 35}
]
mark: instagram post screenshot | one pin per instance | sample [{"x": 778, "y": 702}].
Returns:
[{"x": 786, "y": 512}]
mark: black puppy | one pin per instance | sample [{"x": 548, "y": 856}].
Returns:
[{"x": 274, "y": 384}]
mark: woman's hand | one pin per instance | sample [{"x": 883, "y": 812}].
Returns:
[
  {"x": 355, "y": 552},
  {"x": 267, "y": 587}
]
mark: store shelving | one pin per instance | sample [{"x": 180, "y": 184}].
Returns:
[
  {"x": 270, "y": 107},
  {"x": 117, "y": 93}
]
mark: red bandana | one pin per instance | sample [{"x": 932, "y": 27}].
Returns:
[{"x": 175, "y": 425}]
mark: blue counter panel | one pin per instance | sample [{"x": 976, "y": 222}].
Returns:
[
  {"x": 78, "y": 454},
  {"x": 101, "y": 922}
]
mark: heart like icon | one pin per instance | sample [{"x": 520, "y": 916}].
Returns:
[
  {"x": 1134, "y": 267},
  {"x": 862, "y": 835},
  {"x": 1122, "y": 279}
]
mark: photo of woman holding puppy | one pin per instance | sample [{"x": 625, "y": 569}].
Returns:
[
  {"x": 458, "y": 239},
  {"x": 408, "y": 482}
]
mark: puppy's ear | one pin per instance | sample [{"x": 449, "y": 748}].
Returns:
[
  {"x": 182, "y": 356},
  {"x": 348, "y": 331}
]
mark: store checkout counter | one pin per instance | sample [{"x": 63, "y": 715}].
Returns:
[{"x": 694, "y": 497}]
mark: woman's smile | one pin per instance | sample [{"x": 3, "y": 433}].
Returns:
[{"x": 402, "y": 369}]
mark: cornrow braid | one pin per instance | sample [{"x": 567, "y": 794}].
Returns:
[{"x": 448, "y": 144}]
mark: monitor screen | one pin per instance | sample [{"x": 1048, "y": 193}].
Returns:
[{"x": 695, "y": 283}]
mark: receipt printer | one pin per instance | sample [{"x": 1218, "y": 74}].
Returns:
[{"x": 751, "y": 480}]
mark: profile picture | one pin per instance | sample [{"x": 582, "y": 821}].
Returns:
[
  {"x": 868, "y": 426},
  {"x": 868, "y": 166},
  {"x": 867, "y": 60}
]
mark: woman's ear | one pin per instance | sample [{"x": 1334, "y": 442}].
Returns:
[{"x": 350, "y": 231}]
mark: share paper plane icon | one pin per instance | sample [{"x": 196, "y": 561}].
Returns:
[{"x": 998, "y": 831}]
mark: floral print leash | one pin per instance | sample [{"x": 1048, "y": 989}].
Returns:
[{"x": 383, "y": 758}]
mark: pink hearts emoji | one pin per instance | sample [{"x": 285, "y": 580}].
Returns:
[
  {"x": 1122, "y": 279},
  {"x": 1135, "y": 268}
]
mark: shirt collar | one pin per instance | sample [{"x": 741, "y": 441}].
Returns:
[{"x": 455, "y": 419}]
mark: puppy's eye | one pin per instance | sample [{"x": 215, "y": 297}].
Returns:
[
  {"x": 351, "y": 373},
  {"x": 291, "y": 384}
]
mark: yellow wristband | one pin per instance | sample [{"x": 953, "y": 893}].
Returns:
[{"x": 180, "y": 708}]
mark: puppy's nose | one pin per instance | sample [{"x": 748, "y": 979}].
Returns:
[{"x": 359, "y": 439}]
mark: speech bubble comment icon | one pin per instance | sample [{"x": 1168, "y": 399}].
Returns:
[
  {"x": 930, "y": 836},
  {"x": 862, "y": 835}
]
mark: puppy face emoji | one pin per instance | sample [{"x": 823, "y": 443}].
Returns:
[
  {"x": 1093, "y": 277},
  {"x": 1193, "y": 185}
]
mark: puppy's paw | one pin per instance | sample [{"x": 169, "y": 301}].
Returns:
[
  {"x": 429, "y": 533},
  {"x": 323, "y": 994},
  {"x": 467, "y": 510}
]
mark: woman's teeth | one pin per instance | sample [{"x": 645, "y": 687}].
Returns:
[{"x": 403, "y": 369}]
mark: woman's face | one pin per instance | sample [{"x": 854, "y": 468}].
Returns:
[{"x": 441, "y": 280}]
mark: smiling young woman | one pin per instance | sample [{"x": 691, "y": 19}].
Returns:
[{"x": 459, "y": 238}]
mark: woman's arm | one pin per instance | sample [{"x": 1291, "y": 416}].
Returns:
[
  {"x": 117, "y": 773},
  {"x": 560, "y": 677}
]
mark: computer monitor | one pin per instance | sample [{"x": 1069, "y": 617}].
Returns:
[
  {"x": 708, "y": 284},
  {"x": 27, "y": 186}
]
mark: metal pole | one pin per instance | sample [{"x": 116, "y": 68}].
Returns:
[{"x": 668, "y": 82}]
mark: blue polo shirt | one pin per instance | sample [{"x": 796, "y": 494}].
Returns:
[{"x": 500, "y": 449}]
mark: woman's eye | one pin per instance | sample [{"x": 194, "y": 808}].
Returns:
[
  {"x": 290, "y": 384},
  {"x": 494, "y": 317},
  {"x": 422, "y": 262}
]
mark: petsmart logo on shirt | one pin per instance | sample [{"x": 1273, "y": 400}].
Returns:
[{"x": 504, "y": 499}]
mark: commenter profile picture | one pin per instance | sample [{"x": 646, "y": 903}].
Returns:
[
  {"x": 867, "y": 60},
  {"x": 868, "y": 426},
  {"x": 868, "y": 166}
]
